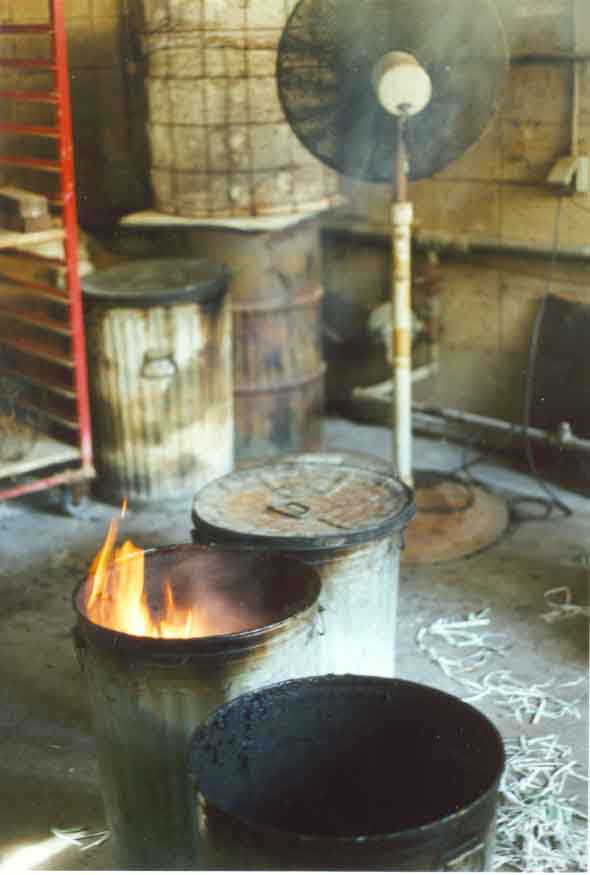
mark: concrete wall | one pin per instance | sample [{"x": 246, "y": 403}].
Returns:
[{"x": 497, "y": 191}]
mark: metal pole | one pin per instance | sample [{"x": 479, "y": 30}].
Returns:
[{"x": 401, "y": 220}]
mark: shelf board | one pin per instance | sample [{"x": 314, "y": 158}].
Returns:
[
  {"x": 45, "y": 453},
  {"x": 15, "y": 239},
  {"x": 155, "y": 219}
]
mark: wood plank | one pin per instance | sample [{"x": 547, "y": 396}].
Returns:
[
  {"x": 43, "y": 351},
  {"x": 62, "y": 390},
  {"x": 37, "y": 320},
  {"x": 14, "y": 239},
  {"x": 43, "y": 410},
  {"x": 153, "y": 218},
  {"x": 45, "y": 453}
]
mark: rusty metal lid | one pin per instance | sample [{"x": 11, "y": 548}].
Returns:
[
  {"x": 157, "y": 281},
  {"x": 302, "y": 505}
]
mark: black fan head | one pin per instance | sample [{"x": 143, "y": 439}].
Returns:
[{"x": 326, "y": 57}]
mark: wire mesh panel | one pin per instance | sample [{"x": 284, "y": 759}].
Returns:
[{"x": 220, "y": 143}]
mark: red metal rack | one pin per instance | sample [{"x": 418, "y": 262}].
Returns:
[{"x": 45, "y": 420}]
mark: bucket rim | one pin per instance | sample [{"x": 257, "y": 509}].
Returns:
[
  {"x": 396, "y": 521},
  {"x": 350, "y": 680},
  {"x": 142, "y": 282},
  {"x": 151, "y": 649}
]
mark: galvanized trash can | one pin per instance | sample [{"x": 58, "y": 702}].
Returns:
[
  {"x": 345, "y": 521},
  {"x": 160, "y": 368},
  {"x": 347, "y": 773},
  {"x": 147, "y": 695}
]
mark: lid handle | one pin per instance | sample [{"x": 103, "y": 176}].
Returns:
[
  {"x": 290, "y": 508},
  {"x": 158, "y": 364}
]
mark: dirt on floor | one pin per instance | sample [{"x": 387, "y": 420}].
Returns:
[{"x": 49, "y": 773}]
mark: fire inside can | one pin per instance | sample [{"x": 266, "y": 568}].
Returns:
[{"x": 256, "y": 617}]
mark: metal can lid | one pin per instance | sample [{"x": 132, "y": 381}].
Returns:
[
  {"x": 157, "y": 281},
  {"x": 303, "y": 505}
]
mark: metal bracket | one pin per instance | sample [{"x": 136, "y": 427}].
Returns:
[{"x": 295, "y": 509}]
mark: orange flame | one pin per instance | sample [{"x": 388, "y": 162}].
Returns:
[{"x": 115, "y": 595}]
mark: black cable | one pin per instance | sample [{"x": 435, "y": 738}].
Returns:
[
  {"x": 552, "y": 501},
  {"x": 555, "y": 502}
]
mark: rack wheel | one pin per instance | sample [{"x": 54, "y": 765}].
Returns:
[{"x": 73, "y": 501}]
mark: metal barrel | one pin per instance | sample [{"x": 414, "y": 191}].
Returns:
[
  {"x": 219, "y": 140},
  {"x": 148, "y": 695},
  {"x": 279, "y": 372},
  {"x": 278, "y": 375},
  {"x": 345, "y": 521},
  {"x": 348, "y": 773},
  {"x": 159, "y": 349},
  {"x": 275, "y": 286}
]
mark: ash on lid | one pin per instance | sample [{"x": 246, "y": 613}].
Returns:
[{"x": 304, "y": 501}]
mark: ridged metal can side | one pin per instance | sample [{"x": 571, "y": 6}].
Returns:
[
  {"x": 276, "y": 299},
  {"x": 381, "y": 775},
  {"x": 344, "y": 521},
  {"x": 219, "y": 140},
  {"x": 161, "y": 388},
  {"x": 148, "y": 696}
]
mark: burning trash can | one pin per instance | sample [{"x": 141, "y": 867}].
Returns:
[
  {"x": 344, "y": 520},
  {"x": 347, "y": 773},
  {"x": 164, "y": 637}
]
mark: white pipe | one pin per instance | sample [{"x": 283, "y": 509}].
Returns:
[{"x": 401, "y": 217}]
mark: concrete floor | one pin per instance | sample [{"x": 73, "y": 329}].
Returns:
[{"x": 48, "y": 771}]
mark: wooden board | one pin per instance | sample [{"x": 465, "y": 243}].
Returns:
[
  {"x": 45, "y": 453},
  {"x": 14, "y": 239},
  {"x": 153, "y": 218}
]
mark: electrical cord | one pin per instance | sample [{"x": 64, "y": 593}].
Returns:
[{"x": 551, "y": 502}]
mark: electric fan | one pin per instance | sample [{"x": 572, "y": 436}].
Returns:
[{"x": 388, "y": 91}]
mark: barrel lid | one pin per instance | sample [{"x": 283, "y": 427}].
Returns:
[
  {"x": 157, "y": 281},
  {"x": 303, "y": 505}
]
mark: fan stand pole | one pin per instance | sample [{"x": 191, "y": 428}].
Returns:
[{"x": 401, "y": 292}]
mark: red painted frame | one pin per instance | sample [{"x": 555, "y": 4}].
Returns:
[{"x": 61, "y": 95}]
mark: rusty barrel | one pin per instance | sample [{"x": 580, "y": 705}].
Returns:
[
  {"x": 347, "y": 522},
  {"x": 276, "y": 293},
  {"x": 278, "y": 367},
  {"x": 147, "y": 695},
  {"x": 159, "y": 353},
  {"x": 350, "y": 773},
  {"x": 279, "y": 371}
]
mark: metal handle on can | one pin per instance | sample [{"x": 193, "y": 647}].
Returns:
[
  {"x": 294, "y": 509},
  {"x": 158, "y": 365}
]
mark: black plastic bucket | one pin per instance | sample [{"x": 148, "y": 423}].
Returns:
[{"x": 347, "y": 773}]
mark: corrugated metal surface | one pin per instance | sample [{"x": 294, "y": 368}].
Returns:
[
  {"x": 161, "y": 389},
  {"x": 220, "y": 143},
  {"x": 148, "y": 696},
  {"x": 276, "y": 294}
]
